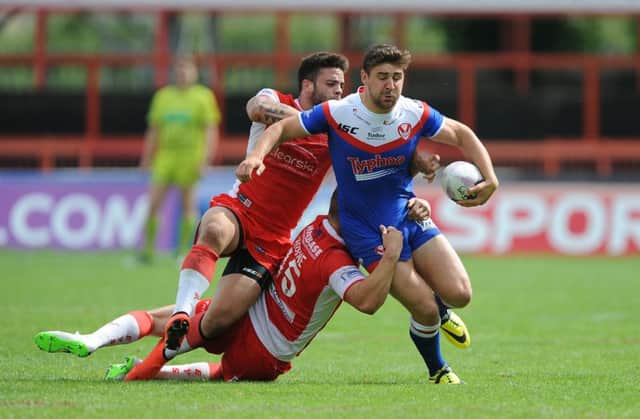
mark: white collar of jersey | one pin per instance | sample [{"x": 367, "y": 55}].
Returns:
[
  {"x": 297, "y": 102},
  {"x": 375, "y": 132},
  {"x": 332, "y": 231},
  {"x": 382, "y": 118}
]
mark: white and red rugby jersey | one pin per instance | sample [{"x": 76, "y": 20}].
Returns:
[{"x": 305, "y": 293}]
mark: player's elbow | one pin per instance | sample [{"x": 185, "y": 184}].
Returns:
[
  {"x": 368, "y": 310},
  {"x": 369, "y": 305},
  {"x": 255, "y": 108},
  {"x": 365, "y": 298}
]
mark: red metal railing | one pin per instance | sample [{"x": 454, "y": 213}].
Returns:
[{"x": 548, "y": 152}]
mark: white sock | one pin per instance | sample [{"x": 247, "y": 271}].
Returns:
[
  {"x": 122, "y": 330},
  {"x": 169, "y": 354},
  {"x": 191, "y": 286},
  {"x": 186, "y": 372},
  {"x": 423, "y": 331}
]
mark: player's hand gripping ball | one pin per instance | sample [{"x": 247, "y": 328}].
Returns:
[{"x": 458, "y": 177}]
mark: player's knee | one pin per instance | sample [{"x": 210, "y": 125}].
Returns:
[
  {"x": 460, "y": 296},
  {"x": 214, "y": 234},
  {"x": 214, "y": 327},
  {"x": 426, "y": 312},
  {"x": 463, "y": 298}
]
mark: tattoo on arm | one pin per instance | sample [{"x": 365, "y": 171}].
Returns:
[{"x": 272, "y": 113}]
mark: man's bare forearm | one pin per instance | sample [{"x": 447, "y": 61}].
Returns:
[
  {"x": 269, "y": 140},
  {"x": 285, "y": 130},
  {"x": 265, "y": 111},
  {"x": 473, "y": 148},
  {"x": 272, "y": 113}
]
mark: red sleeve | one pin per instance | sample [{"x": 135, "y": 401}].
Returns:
[{"x": 335, "y": 259}]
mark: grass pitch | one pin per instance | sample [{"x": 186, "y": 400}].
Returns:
[{"x": 551, "y": 337}]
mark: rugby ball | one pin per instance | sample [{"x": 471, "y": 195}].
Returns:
[{"x": 457, "y": 177}]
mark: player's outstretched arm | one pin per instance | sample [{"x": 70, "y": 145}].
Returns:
[
  {"x": 266, "y": 110},
  {"x": 458, "y": 134},
  {"x": 369, "y": 294},
  {"x": 275, "y": 134}
]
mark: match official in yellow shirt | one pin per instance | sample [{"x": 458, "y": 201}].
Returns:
[{"x": 182, "y": 134}]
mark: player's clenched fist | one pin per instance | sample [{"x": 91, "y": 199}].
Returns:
[
  {"x": 246, "y": 168},
  {"x": 391, "y": 241},
  {"x": 482, "y": 192}
]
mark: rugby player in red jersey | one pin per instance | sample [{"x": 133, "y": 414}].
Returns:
[
  {"x": 252, "y": 223},
  {"x": 317, "y": 274}
]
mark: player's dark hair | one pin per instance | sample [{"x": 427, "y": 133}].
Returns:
[
  {"x": 312, "y": 64},
  {"x": 385, "y": 53}
]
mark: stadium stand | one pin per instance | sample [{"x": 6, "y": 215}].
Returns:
[{"x": 538, "y": 109}]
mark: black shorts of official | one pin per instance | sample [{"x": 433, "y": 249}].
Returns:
[{"x": 241, "y": 262}]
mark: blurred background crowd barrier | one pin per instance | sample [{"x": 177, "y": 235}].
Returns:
[
  {"x": 552, "y": 87},
  {"x": 106, "y": 210}
]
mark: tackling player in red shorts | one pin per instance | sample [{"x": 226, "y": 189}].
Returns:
[
  {"x": 252, "y": 224},
  {"x": 316, "y": 275}
]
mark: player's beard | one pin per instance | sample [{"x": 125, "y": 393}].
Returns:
[
  {"x": 318, "y": 96},
  {"x": 388, "y": 105}
]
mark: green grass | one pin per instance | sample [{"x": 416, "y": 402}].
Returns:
[{"x": 552, "y": 337}]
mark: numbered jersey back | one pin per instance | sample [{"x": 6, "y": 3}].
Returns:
[{"x": 307, "y": 290}]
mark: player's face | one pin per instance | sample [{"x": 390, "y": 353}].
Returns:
[
  {"x": 329, "y": 84},
  {"x": 384, "y": 85}
]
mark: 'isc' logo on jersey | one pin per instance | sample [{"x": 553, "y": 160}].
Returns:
[{"x": 348, "y": 129}]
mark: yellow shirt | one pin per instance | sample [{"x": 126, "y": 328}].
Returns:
[{"x": 181, "y": 117}]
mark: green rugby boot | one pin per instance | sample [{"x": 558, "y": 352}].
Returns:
[
  {"x": 56, "y": 341},
  {"x": 117, "y": 372}
]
